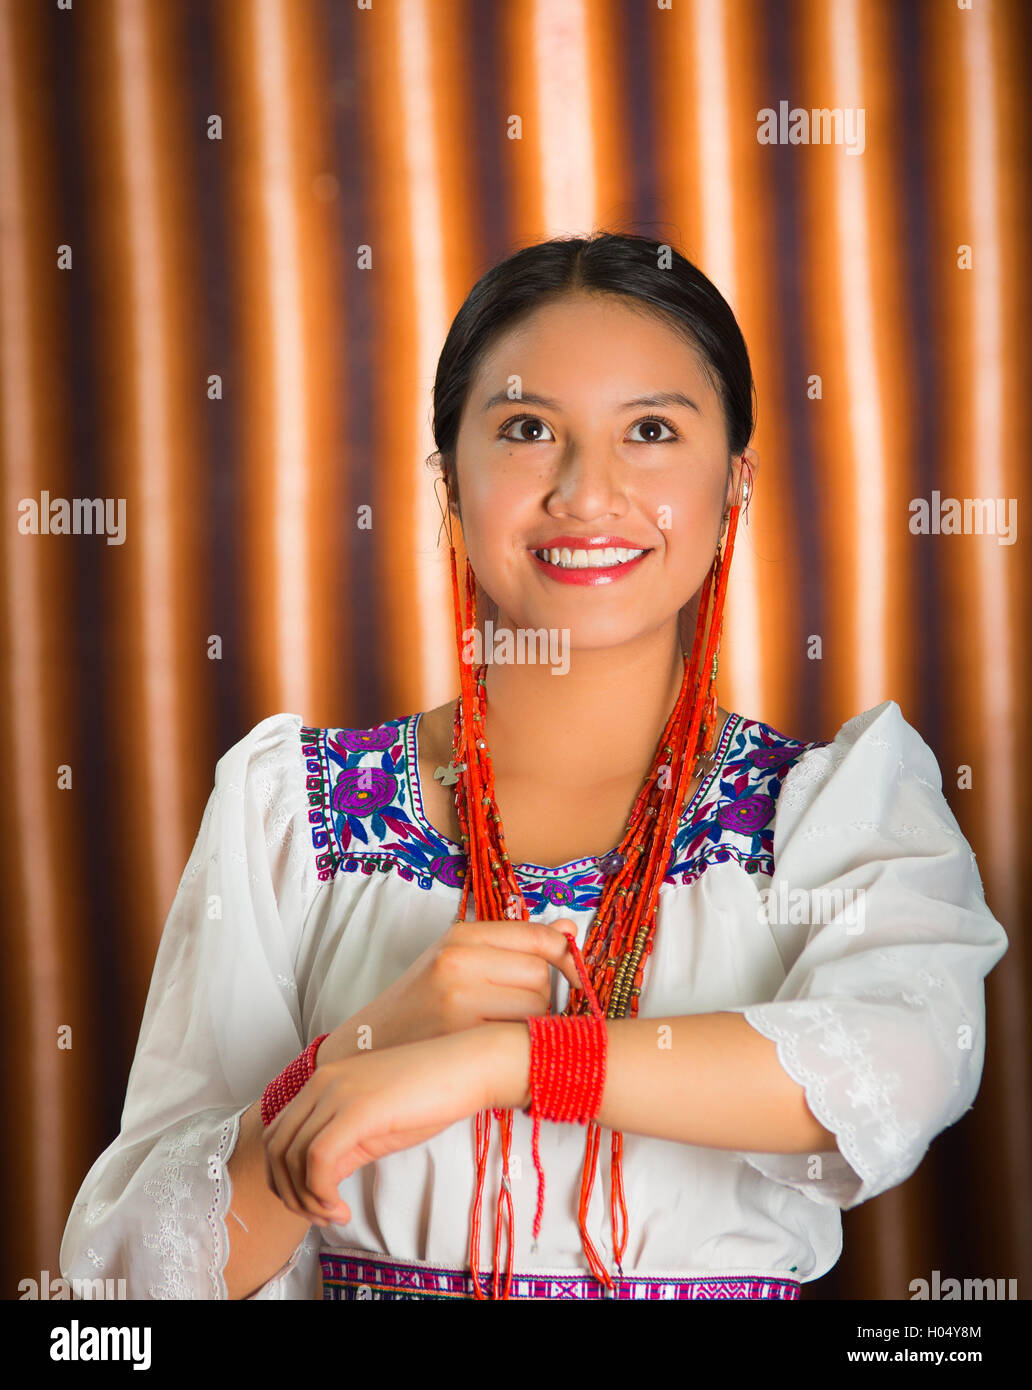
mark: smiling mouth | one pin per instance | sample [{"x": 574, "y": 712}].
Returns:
[{"x": 608, "y": 557}]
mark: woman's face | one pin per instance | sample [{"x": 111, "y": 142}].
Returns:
[{"x": 591, "y": 461}]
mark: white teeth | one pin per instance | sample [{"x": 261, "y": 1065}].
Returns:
[{"x": 588, "y": 559}]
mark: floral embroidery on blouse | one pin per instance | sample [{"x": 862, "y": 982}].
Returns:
[{"x": 366, "y": 814}]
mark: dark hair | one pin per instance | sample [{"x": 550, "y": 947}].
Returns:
[{"x": 651, "y": 273}]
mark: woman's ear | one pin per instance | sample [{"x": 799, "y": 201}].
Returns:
[
  {"x": 748, "y": 468},
  {"x": 452, "y": 488},
  {"x": 742, "y": 475}
]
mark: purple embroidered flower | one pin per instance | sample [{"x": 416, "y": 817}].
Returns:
[
  {"x": 747, "y": 815},
  {"x": 772, "y": 757},
  {"x": 449, "y": 869},
  {"x": 555, "y": 891},
  {"x": 362, "y": 791},
  {"x": 368, "y": 740}
]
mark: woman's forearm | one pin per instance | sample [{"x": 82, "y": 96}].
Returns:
[
  {"x": 706, "y": 1079},
  {"x": 263, "y": 1233}
]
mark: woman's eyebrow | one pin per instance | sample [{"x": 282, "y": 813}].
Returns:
[{"x": 660, "y": 398}]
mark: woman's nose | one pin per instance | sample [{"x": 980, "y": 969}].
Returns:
[{"x": 589, "y": 479}]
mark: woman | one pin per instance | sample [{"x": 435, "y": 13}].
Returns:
[{"x": 773, "y": 952}]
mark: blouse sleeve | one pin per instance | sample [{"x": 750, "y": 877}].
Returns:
[
  {"x": 877, "y": 910},
  {"x": 222, "y": 1017}
]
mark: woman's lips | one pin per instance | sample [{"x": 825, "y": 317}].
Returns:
[{"x": 592, "y": 575}]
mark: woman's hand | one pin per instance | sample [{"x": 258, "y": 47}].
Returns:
[
  {"x": 355, "y": 1111},
  {"x": 475, "y": 972}
]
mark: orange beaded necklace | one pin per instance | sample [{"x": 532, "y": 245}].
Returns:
[{"x": 621, "y": 935}]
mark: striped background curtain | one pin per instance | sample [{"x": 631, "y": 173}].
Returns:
[{"x": 234, "y": 235}]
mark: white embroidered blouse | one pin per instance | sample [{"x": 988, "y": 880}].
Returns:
[{"x": 825, "y": 891}]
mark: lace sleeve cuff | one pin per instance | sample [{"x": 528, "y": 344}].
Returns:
[
  {"x": 876, "y": 1145},
  {"x": 155, "y": 1216}
]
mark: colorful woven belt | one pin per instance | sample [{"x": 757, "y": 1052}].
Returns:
[{"x": 370, "y": 1276}]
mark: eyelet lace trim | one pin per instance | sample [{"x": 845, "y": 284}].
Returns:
[
  {"x": 219, "y": 1208},
  {"x": 170, "y": 1191}
]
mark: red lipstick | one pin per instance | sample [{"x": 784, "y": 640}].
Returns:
[{"x": 594, "y": 575}]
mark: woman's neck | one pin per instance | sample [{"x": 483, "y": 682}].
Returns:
[{"x": 600, "y": 720}]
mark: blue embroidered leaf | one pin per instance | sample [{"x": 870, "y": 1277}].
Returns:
[
  {"x": 409, "y": 854},
  {"x": 358, "y": 830}
]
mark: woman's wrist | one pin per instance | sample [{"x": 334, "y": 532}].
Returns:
[
  {"x": 343, "y": 1042},
  {"x": 331, "y": 1050},
  {"x": 505, "y": 1050}
]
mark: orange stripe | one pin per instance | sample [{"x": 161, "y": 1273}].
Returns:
[
  {"x": 705, "y": 55},
  {"x": 719, "y": 118},
  {"x": 296, "y": 515},
  {"x": 773, "y": 522},
  {"x": 843, "y": 195},
  {"x": 982, "y": 179},
  {"x": 979, "y": 376},
  {"x": 150, "y": 399},
  {"x": 43, "y": 908}
]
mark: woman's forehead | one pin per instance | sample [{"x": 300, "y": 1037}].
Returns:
[{"x": 557, "y": 368}]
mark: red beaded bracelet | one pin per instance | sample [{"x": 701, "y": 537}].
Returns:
[
  {"x": 283, "y": 1088},
  {"x": 567, "y": 1069}
]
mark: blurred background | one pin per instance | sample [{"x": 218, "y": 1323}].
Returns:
[{"x": 234, "y": 236}]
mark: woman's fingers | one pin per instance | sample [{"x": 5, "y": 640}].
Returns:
[
  {"x": 359, "y": 1110},
  {"x": 311, "y": 1157},
  {"x": 526, "y": 945},
  {"x": 514, "y": 1005},
  {"x": 310, "y": 1196},
  {"x": 282, "y": 1170},
  {"x": 557, "y": 946},
  {"x": 319, "y": 1156},
  {"x": 562, "y": 956}
]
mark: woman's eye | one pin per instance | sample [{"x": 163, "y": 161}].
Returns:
[
  {"x": 519, "y": 422},
  {"x": 655, "y": 425}
]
